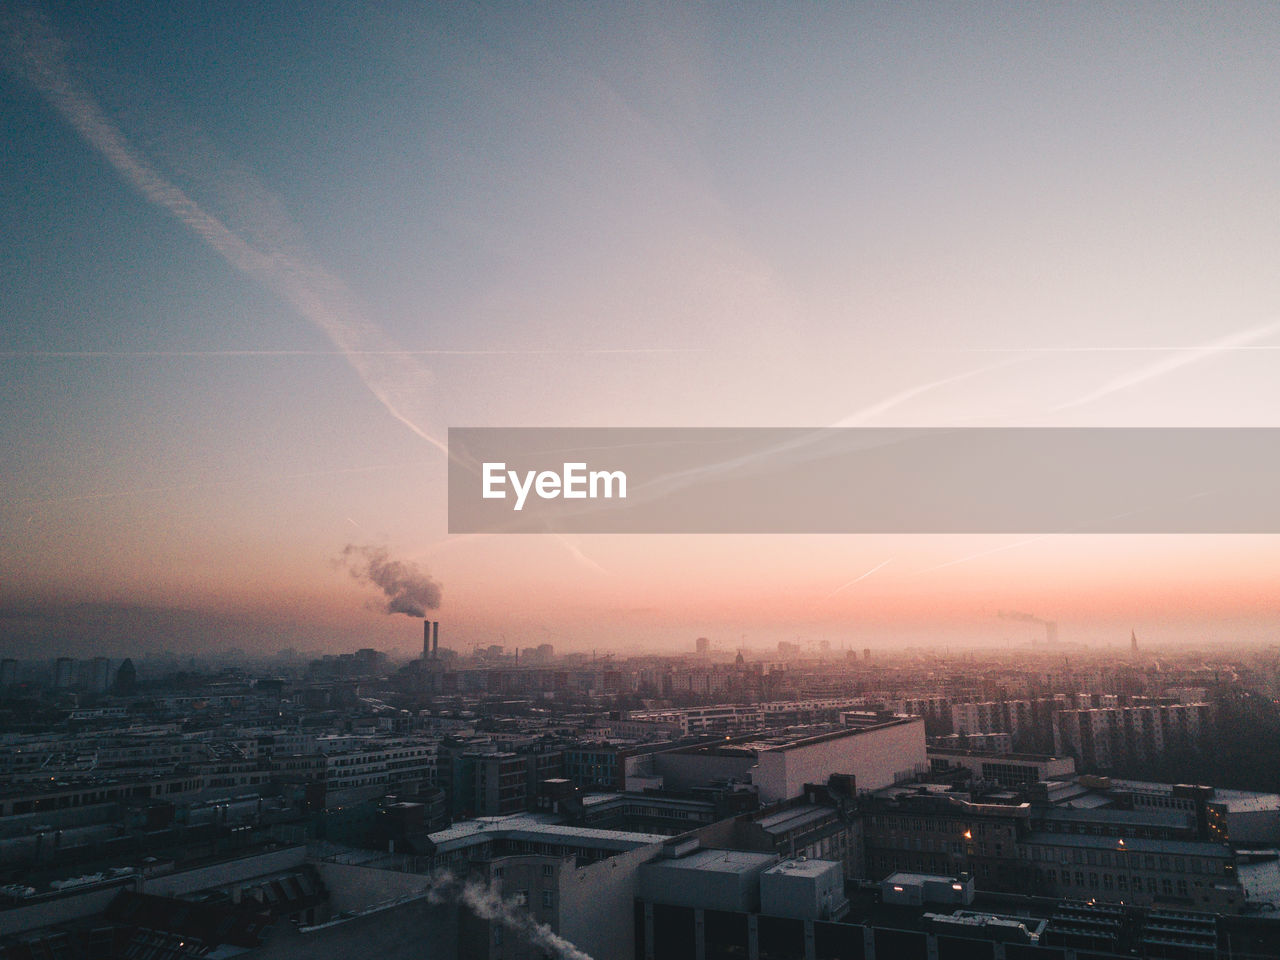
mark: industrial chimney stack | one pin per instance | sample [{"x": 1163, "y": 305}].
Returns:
[{"x": 430, "y": 640}]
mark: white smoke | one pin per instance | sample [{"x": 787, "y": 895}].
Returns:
[{"x": 487, "y": 903}]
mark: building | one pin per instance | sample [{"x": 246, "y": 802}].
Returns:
[
  {"x": 1174, "y": 874},
  {"x": 64, "y": 673},
  {"x": 938, "y": 833},
  {"x": 706, "y": 879},
  {"x": 1108, "y": 738},
  {"x": 1007, "y": 769},
  {"x": 876, "y": 751},
  {"x": 813, "y": 827},
  {"x": 95, "y": 674},
  {"x": 8, "y": 674},
  {"x": 580, "y": 882},
  {"x": 812, "y": 889},
  {"x": 916, "y": 889}
]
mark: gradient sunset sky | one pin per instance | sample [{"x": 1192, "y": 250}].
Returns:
[{"x": 258, "y": 257}]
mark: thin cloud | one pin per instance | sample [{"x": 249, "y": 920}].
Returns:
[
  {"x": 145, "y": 354},
  {"x": 796, "y": 446},
  {"x": 984, "y": 553},
  {"x": 860, "y": 577},
  {"x": 36, "y": 54},
  {"x": 1240, "y": 340},
  {"x": 881, "y": 407},
  {"x": 201, "y": 485}
]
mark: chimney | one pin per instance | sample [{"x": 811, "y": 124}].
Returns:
[
  {"x": 426, "y": 639},
  {"x": 435, "y": 640}
]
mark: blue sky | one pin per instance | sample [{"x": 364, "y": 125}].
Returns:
[{"x": 610, "y": 214}]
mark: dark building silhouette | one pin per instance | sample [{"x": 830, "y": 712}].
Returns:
[{"x": 126, "y": 681}]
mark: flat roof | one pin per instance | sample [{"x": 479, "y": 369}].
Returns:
[
  {"x": 1164, "y": 818},
  {"x": 538, "y": 828},
  {"x": 904, "y": 877},
  {"x": 803, "y": 868},
  {"x": 1236, "y": 801},
  {"x": 719, "y": 861},
  {"x": 795, "y": 817},
  {"x": 1189, "y": 848},
  {"x": 987, "y": 755}
]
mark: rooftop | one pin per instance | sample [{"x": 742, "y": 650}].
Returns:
[
  {"x": 1157, "y": 818},
  {"x": 1190, "y": 848},
  {"x": 537, "y": 827},
  {"x": 917, "y": 878},
  {"x": 803, "y": 868},
  {"x": 996, "y": 757},
  {"x": 720, "y": 861},
  {"x": 793, "y": 818}
]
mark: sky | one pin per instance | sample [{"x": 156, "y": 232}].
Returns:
[{"x": 257, "y": 258}]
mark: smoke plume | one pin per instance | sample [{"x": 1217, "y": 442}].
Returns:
[
  {"x": 408, "y": 590},
  {"x": 488, "y": 904}
]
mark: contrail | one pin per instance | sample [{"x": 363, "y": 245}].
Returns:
[
  {"x": 1043, "y": 536},
  {"x": 862, "y": 576},
  {"x": 897, "y": 399},
  {"x": 1165, "y": 349},
  {"x": 576, "y": 552},
  {"x": 36, "y": 54},
  {"x": 1236, "y": 341},
  {"x": 146, "y": 354},
  {"x": 202, "y": 485},
  {"x": 984, "y": 553},
  {"x": 670, "y": 482}
]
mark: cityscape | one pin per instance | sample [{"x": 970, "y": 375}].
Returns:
[
  {"x": 639, "y": 481},
  {"x": 1046, "y": 800}
]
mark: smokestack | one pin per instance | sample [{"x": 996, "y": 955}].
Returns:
[
  {"x": 435, "y": 640},
  {"x": 426, "y": 639}
]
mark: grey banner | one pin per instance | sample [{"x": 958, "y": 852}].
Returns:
[{"x": 765, "y": 480}]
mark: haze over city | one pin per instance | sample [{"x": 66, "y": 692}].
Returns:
[
  {"x": 639, "y": 480},
  {"x": 258, "y": 259}
]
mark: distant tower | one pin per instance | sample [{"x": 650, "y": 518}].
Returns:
[
  {"x": 703, "y": 646},
  {"x": 64, "y": 673},
  {"x": 126, "y": 678},
  {"x": 95, "y": 674},
  {"x": 1133, "y": 640}
]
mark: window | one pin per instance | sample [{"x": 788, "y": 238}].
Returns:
[
  {"x": 548, "y": 870},
  {"x": 548, "y": 899},
  {"x": 522, "y": 898}
]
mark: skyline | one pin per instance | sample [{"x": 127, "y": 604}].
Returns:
[{"x": 257, "y": 263}]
